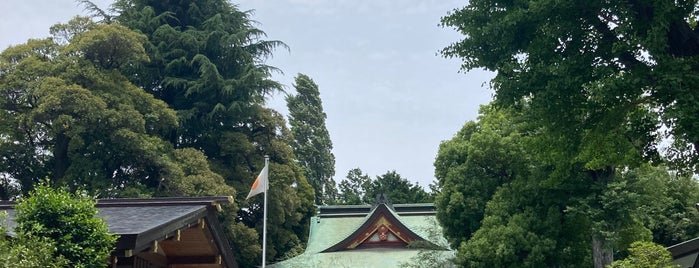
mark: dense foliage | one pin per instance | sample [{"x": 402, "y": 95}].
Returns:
[
  {"x": 590, "y": 66},
  {"x": 69, "y": 115},
  {"x": 500, "y": 209},
  {"x": 207, "y": 63},
  {"x": 470, "y": 167},
  {"x": 352, "y": 189},
  {"x": 66, "y": 221},
  {"x": 646, "y": 255},
  {"x": 312, "y": 144},
  {"x": 598, "y": 82},
  {"x": 158, "y": 99},
  {"x": 492, "y": 204},
  {"x": 358, "y": 188},
  {"x": 24, "y": 251}
]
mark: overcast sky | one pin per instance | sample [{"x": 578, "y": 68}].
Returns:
[{"x": 389, "y": 97}]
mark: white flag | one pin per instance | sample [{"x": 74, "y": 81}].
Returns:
[{"x": 260, "y": 185}]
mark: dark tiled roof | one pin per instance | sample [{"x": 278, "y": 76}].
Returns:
[
  {"x": 126, "y": 216},
  {"x": 139, "y": 222},
  {"x": 684, "y": 248}
]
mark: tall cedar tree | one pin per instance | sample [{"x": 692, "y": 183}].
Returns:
[
  {"x": 312, "y": 144},
  {"x": 207, "y": 63},
  {"x": 593, "y": 75}
]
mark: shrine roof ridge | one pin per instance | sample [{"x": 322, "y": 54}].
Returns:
[
  {"x": 364, "y": 210},
  {"x": 144, "y": 202}
]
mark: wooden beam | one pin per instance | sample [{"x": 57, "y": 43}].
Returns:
[
  {"x": 154, "y": 247},
  {"x": 154, "y": 258},
  {"x": 210, "y": 239},
  {"x": 195, "y": 266},
  {"x": 192, "y": 260}
]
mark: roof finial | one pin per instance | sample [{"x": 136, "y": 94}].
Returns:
[{"x": 382, "y": 198}]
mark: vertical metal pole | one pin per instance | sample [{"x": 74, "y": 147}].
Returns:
[{"x": 264, "y": 216}]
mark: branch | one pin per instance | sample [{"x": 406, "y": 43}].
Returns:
[{"x": 95, "y": 11}]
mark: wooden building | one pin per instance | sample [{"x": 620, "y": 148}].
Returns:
[
  {"x": 180, "y": 232},
  {"x": 382, "y": 235}
]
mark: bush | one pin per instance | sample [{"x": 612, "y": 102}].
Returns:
[
  {"x": 69, "y": 222},
  {"x": 645, "y": 255}
]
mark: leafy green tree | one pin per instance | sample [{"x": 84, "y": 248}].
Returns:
[
  {"x": 471, "y": 166},
  {"x": 596, "y": 77},
  {"x": 312, "y": 144},
  {"x": 494, "y": 202},
  {"x": 667, "y": 208},
  {"x": 353, "y": 187},
  {"x": 20, "y": 141},
  {"x": 524, "y": 226},
  {"x": 358, "y": 188},
  {"x": 75, "y": 107},
  {"x": 72, "y": 117},
  {"x": 646, "y": 255},
  {"x": 398, "y": 190},
  {"x": 189, "y": 174},
  {"x": 528, "y": 213},
  {"x": 23, "y": 251},
  {"x": 246, "y": 247},
  {"x": 609, "y": 59},
  {"x": 290, "y": 199},
  {"x": 29, "y": 252},
  {"x": 68, "y": 220}
]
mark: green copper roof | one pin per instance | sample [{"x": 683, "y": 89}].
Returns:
[
  {"x": 379, "y": 257},
  {"x": 336, "y": 223}
]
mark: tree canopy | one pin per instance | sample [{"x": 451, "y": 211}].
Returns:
[
  {"x": 594, "y": 68},
  {"x": 207, "y": 63},
  {"x": 646, "y": 255},
  {"x": 599, "y": 81},
  {"x": 70, "y": 116},
  {"x": 155, "y": 99},
  {"x": 352, "y": 189},
  {"x": 471, "y": 166},
  {"x": 501, "y": 209},
  {"x": 312, "y": 144},
  {"x": 358, "y": 188}
]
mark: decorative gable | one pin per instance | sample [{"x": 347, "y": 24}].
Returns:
[{"x": 380, "y": 229}]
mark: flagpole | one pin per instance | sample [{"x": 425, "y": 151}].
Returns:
[{"x": 264, "y": 216}]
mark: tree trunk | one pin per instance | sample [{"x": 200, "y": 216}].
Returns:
[
  {"x": 602, "y": 254},
  {"x": 60, "y": 156}
]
